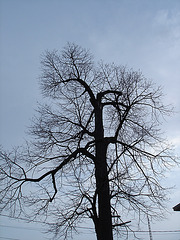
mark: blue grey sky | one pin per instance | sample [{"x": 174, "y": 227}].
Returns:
[{"x": 141, "y": 34}]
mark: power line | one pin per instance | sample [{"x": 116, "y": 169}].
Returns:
[
  {"x": 35, "y": 221},
  {"x": 24, "y": 219},
  {"x": 37, "y": 229},
  {"x": 9, "y": 238},
  {"x": 27, "y": 228},
  {"x": 158, "y": 231},
  {"x": 138, "y": 231}
]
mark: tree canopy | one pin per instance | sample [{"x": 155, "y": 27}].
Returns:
[{"x": 97, "y": 150}]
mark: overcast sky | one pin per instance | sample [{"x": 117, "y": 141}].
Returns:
[{"x": 141, "y": 34}]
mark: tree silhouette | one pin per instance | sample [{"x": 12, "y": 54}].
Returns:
[{"x": 96, "y": 149}]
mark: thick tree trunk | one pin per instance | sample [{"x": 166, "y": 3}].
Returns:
[
  {"x": 104, "y": 208},
  {"x": 104, "y": 225}
]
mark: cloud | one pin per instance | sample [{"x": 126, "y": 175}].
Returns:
[
  {"x": 175, "y": 141},
  {"x": 167, "y": 23}
]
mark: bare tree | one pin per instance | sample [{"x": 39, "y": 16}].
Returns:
[{"x": 96, "y": 151}]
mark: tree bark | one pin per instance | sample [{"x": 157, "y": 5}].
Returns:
[{"x": 104, "y": 225}]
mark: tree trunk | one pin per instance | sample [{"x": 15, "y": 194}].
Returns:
[
  {"x": 104, "y": 208},
  {"x": 104, "y": 226}
]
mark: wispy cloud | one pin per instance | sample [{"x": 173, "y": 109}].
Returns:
[
  {"x": 167, "y": 22},
  {"x": 175, "y": 141}
]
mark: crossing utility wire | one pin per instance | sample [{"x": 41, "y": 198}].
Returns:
[{"x": 82, "y": 227}]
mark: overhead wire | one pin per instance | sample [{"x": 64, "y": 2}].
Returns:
[
  {"x": 26, "y": 228},
  {"x": 82, "y": 227},
  {"x": 9, "y": 238}
]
